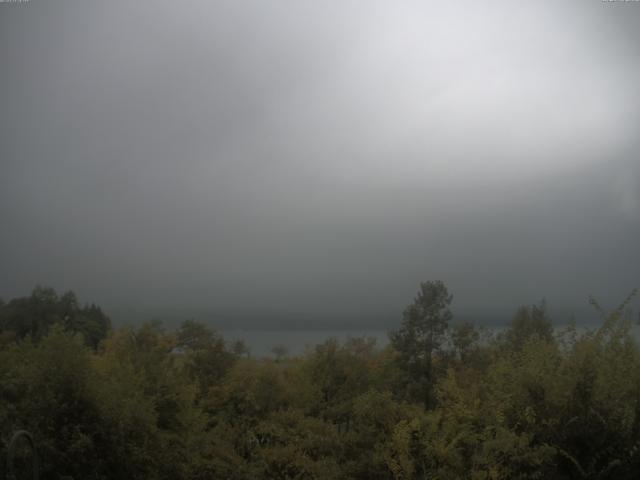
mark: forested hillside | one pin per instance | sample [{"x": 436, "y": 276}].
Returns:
[{"x": 442, "y": 401}]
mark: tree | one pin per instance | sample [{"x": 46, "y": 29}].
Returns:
[
  {"x": 464, "y": 338},
  {"x": 207, "y": 358},
  {"x": 528, "y": 321},
  {"x": 34, "y": 316},
  {"x": 421, "y": 334}
]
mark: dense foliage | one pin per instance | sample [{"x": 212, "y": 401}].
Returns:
[{"x": 440, "y": 402}]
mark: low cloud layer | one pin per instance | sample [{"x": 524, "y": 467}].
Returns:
[{"x": 309, "y": 163}]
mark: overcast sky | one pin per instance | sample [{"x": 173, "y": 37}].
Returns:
[{"x": 310, "y": 162}]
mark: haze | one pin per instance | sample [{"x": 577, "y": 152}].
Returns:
[{"x": 309, "y": 163}]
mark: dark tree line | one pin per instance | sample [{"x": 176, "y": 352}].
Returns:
[
  {"x": 33, "y": 317},
  {"x": 441, "y": 401}
]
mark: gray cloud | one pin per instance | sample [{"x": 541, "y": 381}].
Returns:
[{"x": 313, "y": 161}]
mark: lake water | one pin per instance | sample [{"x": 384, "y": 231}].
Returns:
[{"x": 260, "y": 342}]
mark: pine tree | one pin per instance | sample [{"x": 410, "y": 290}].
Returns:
[{"x": 421, "y": 334}]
